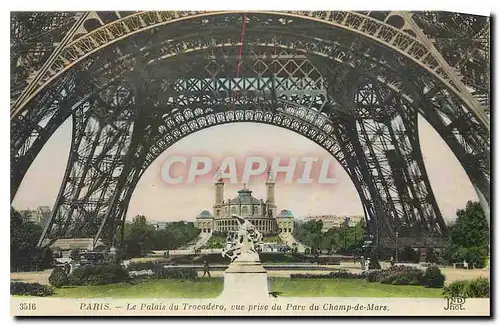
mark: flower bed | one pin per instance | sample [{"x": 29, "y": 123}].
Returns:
[
  {"x": 339, "y": 274},
  {"x": 31, "y": 289},
  {"x": 160, "y": 270},
  {"x": 396, "y": 275},
  {"x": 407, "y": 275}
]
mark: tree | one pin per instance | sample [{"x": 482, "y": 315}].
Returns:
[
  {"x": 141, "y": 237},
  {"x": 174, "y": 235},
  {"x": 24, "y": 235},
  {"x": 346, "y": 239},
  {"x": 309, "y": 233},
  {"x": 138, "y": 236},
  {"x": 470, "y": 228},
  {"x": 469, "y": 236},
  {"x": 46, "y": 257}
]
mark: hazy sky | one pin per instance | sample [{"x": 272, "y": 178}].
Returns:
[{"x": 164, "y": 202}]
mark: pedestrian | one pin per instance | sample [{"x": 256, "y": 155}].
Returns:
[
  {"x": 392, "y": 261},
  {"x": 316, "y": 256},
  {"x": 67, "y": 269},
  {"x": 206, "y": 268}
]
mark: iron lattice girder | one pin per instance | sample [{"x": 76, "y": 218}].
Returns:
[
  {"x": 390, "y": 142},
  {"x": 397, "y": 39},
  {"x": 100, "y": 141},
  {"x": 464, "y": 41},
  {"x": 33, "y": 37}
]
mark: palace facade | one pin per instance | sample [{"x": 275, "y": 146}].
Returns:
[{"x": 262, "y": 214}]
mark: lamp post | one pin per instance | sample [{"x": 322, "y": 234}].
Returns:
[{"x": 397, "y": 247}]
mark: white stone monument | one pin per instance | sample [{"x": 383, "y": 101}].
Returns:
[{"x": 245, "y": 276}]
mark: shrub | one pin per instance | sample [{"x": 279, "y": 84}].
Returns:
[
  {"x": 372, "y": 276},
  {"x": 397, "y": 280},
  {"x": 33, "y": 289},
  {"x": 397, "y": 274},
  {"x": 58, "y": 277},
  {"x": 280, "y": 257},
  {"x": 157, "y": 270},
  {"x": 183, "y": 273},
  {"x": 475, "y": 256},
  {"x": 98, "y": 275},
  {"x": 339, "y": 274},
  {"x": 478, "y": 288},
  {"x": 74, "y": 254},
  {"x": 146, "y": 265},
  {"x": 433, "y": 278}
]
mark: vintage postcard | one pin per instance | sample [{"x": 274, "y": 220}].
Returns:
[{"x": 250, "y": 163}]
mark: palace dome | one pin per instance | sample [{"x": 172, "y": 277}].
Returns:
[
  {"x": 205, "y": 214},
  {"x": 245, "y": 197},
  {"x": 285, "y": 213}
]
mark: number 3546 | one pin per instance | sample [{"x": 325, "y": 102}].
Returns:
[{"x": 27, "y": 306}]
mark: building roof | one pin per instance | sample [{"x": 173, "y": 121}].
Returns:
[
  {"x": 245, "y": 197},
  {"x": 204, "y": 214},
  {"x": 285, "y": 213}
]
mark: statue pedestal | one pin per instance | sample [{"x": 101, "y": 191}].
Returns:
[{"x": 245, "y": 279}]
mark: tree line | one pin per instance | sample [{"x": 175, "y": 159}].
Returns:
[
  {"x": 141, "y": 237},
  {"x": 343, "y": 240},
  {"x": 468, "y": 239},
  {"x": 24, "y": 253}
]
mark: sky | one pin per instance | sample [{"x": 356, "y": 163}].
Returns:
[{"x": 161, "y": 201}]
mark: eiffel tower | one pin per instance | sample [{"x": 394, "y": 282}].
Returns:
[{"x": 134, "y": 83}]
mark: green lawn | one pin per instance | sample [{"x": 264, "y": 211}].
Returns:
[
  {"x": 210, "y": 288},
  {"x": 272, "y": 239},
  {"x": 215, "y": 241},
  {"x": 349, "y": 288},
  {"x": 202, "y": 288}
]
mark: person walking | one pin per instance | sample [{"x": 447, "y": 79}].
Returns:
[{"x": 206, "y": 268}]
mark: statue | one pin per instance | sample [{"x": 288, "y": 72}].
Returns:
[
  {"x": 243, "y": 245},
  {"x": 245, "y": 276}
]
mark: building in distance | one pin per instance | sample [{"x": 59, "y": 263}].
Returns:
[
  {"x": 262, "y": 214},
  {"x": 336, "y": 221},
  {"x": 40, "y": 215}
]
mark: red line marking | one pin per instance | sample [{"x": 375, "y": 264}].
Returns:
[{"x": 240, "y": 52}]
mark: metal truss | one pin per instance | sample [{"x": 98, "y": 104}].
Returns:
[
  {"x": 404, "y": 41},
  {"x": 33, "y": 37},
  {"x": 464, "y": 42},
  {"x": 351, "y": 82}
]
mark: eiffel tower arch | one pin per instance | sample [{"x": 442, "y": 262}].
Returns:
[{"x": 134, "y": 83}]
